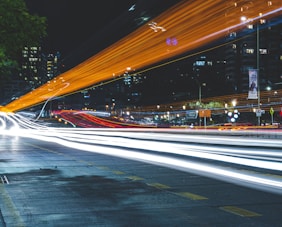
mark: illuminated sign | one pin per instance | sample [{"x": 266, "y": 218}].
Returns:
[{"x": 200, "y": 63}]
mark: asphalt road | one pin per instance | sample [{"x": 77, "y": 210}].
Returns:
[{"x": 46, "y": 184}]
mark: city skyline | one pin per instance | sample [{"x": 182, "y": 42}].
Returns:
[{"x": 221, "y": 58}]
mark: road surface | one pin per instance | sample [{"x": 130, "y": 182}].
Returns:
[{"x": 48, "y": 182}]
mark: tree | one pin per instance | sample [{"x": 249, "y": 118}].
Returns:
[{"x": 18, "y": 28}]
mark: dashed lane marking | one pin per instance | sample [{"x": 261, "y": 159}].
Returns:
[
  {"x": 191, "y": 196},
  {"x": 240, "y": 211},
  {"x": 135, "y": 178},
  {"x": 118, "y": 172},
  {"x": 103, "y": 167},
  {"x": 159, "y": 186}
]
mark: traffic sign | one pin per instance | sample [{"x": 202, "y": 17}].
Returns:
[
  {"x": 259, "y": 112},
  {"x": 271, "y": 111},
  {"x": 204, "y": 113}
]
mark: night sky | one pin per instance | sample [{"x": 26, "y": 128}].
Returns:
[
  {"x": 79, "y": 29},
  {"x": 73, "y": 22}
]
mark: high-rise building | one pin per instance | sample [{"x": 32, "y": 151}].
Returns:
[
  {"x": 50, "y": 66},
  {"x": 37, "y": 67},
  {"x": 257, "y": 46},
  {"x": 30, "y": 65}
]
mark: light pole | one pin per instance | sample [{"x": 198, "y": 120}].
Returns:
[
  {"x": 200, "y": 99},
  {"x": 258, "y": 87},
  {"x": 200, "y": 91},
  {"x": 200, "y": 94},
  {"x": 244, "y": 19}
]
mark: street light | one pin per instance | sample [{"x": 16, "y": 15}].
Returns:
[
  {"x": 200, "y": 91},
  {"x": 234, "y": 102},
  {"x": 200, "y": 98}
]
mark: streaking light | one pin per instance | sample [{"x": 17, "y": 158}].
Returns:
[
  {"x": 180, "y": 151},
  {"x": 194, "y": 23}
]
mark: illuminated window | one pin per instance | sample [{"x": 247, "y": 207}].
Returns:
[
  {"x": 263, "y": 51},
  {"x": 250, "y": 26},
  {"x": 250, "y": 51},
  {"x": 262, "y": 21},
  {"x": 32, "y": 59}
]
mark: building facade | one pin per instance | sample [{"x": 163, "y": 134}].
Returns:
[
  {"x": 257, "y": 46},
  {"x": 37, "y": 68}
]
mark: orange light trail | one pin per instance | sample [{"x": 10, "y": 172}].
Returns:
[{"x": 192, "y": 23}]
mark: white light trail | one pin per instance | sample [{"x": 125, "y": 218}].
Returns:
[
  {"x": 199, "y": 151},
  {"x": 163, "y": 148}
]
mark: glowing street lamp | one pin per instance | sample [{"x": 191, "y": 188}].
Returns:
[{"x": 234, "y": 102}]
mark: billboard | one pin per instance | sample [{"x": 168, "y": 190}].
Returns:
[{"x": 253, "y": 84}]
